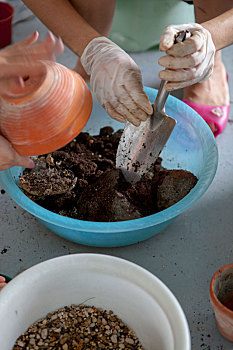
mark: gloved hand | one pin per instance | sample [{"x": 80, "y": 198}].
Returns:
[
  {"x": 116, "y": 81},
  {"x": 188, "y": 62}
]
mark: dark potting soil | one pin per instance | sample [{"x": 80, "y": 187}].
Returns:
[{"x": 81, "y": 181}]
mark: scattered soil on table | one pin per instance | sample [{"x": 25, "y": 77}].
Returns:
[
  {"x": 81, "y": 181},
  {"x": 78, "y": 328}
]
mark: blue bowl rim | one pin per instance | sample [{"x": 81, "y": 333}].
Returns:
[{"x": 7, "y": 182}]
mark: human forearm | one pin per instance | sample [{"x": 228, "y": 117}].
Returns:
[
  {"x": 64, "y": 21},
  {"x": 98, "y": 13},
  {"x": 221, "y": 29}
]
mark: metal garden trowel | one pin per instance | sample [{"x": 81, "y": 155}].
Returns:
[{"x": 139, "y": 147}]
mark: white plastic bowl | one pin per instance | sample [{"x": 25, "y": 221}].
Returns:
[{"x": 135, "y": 295}]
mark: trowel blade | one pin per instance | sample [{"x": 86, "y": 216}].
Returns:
[{"x": 139, "y": 147}]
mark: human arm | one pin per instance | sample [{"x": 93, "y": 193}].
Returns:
[
  {"x": 65, "y": 22},
  {"x": 221, "y": 29}
]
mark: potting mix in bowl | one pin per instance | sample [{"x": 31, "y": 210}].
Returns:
[{"x": 81, "y": 181}]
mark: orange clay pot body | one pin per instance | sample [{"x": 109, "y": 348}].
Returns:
[
  {"x": 49, "y": 112},
  {"x": 221, "y": 288}
]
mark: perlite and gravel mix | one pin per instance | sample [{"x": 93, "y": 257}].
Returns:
[{"x": 78, "y": 328}]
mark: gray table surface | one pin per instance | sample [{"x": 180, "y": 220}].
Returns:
[{"x": 184, "y": 256}]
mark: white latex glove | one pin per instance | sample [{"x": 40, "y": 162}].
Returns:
[
  {"x": 188, "y": 62},
  {"x": 116, "y": 81}
]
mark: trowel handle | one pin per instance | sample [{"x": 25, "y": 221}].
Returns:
[
  {"x": 161, "y": 98},
  {"x": 162, "y": 93},
  {"x": 181, "y": 36}
]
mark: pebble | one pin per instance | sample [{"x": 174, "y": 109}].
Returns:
[
  {"x": 114, "y": 338},
  {"x": 129, "y": 341},
  {"x": 21, "y": 344},
  {"x": 44, "y": 333}
]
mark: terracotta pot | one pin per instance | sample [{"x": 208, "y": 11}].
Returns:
[
  {"x": 6, "y": 15},
  {"x": 221, "y": 298},
  {"x": 49, "y": 112}
]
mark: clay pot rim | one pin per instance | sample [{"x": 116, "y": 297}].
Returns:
[
  {"x": 10, "y": 7},
  {"x": 213, "y": 296}
]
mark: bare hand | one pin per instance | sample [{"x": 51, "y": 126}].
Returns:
[
  {"x": 9, "y": 157},
  {"x": 23, "y": 58}
]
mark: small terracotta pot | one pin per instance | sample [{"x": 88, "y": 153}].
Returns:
[
  {"x": 221, "y": 298},
  {"x": 49, "y": 112},
  {"x": 6, "y": 15}
]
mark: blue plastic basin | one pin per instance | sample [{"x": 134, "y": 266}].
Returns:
[{"x": 191, "y": 147}]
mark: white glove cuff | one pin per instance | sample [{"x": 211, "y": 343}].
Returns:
[{"x": 95, "y": 45}]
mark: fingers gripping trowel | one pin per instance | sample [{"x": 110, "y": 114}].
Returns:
[{"x": 139, "y": 147}]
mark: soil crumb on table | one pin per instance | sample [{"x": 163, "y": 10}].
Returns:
[
  {"x": 81, "y": 181},
  {"x": 79, "y": 328}
]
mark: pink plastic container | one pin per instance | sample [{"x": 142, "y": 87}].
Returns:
[{"x": 6, "y": 15}]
